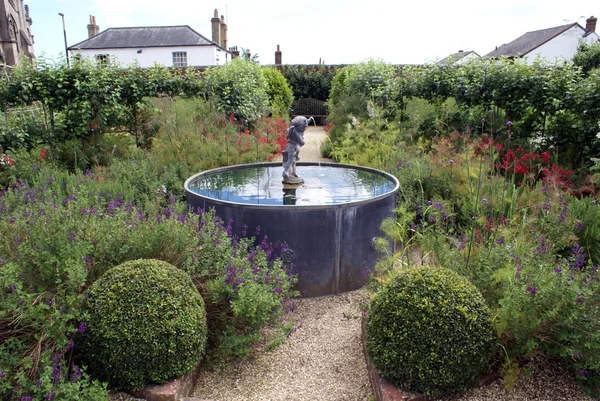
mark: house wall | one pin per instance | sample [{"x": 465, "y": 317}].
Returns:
[
  {"x": 196, "y": 55},
  {"x": 562, "y": 47},
  {"x": 467, "y": 58}
]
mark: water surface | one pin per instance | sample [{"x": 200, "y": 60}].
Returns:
[{"x": 323, "y": 185}]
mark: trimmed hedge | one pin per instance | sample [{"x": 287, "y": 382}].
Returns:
[
  {"x": 429, "y": 331},
  {"x": 147, "y": 324}
]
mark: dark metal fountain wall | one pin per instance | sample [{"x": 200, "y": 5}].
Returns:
[{"x": 329, "y": 223}]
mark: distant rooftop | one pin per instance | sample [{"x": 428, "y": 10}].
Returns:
[
  {"x": 150, "y": 36},
  {"x": 530, "y": 41},
  {"x": 454, "y": 57}
]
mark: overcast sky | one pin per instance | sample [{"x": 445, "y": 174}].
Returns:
[{"x": 335, "y": 31}]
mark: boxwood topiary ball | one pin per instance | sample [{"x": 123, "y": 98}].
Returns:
[
  {"x": 429, "y": 331},
  {"x": 147, "y": 324}
]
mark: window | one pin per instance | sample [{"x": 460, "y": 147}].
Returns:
[
  {"x": 103, "y": 58},
  {"x": 179, "y": 59}
]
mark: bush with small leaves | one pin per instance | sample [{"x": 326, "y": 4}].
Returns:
[
  {"x": 147, "y": 324},
  {"x": 429, "y": 331}
]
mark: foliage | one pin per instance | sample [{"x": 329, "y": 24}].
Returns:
[
  {"x": 279, "y": 93},
  {"x": 502, "y": 213},
  {"x": 195, "y": 137},
  {"x": 553, "y": 106},
  {"x": 147, "y": 324},
  {"x": 370, "y": 80},
  {"x": 429, "y": 331},
  {"x": 245, "y": 285},
  {"x": 85, "y": 100},
  {"x": 238, "y": 88},
  {"x": 309, "y": 81},
  {"x": 64, "y": 230},
  {"x": 587, "y": 56}
]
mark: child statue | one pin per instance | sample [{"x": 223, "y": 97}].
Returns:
[{"x": 295, "y": 137}]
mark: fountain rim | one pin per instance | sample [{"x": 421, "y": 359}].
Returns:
[{"x": 297, "y": 207}]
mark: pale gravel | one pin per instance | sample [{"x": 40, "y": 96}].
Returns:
[
  {"x": 541, "y": 380},
  {"x": 323, "y": 358}
]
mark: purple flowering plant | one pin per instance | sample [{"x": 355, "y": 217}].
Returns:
[{"x": 73, "y": 228}]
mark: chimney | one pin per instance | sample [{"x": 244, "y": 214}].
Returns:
[
  {"x": 93, "y": 29},
  {"x": 248, "y": 54},
  {"x": 278, "y": 56},
  {"x": 223, "y": 33},
  {"x": 590, "y": 24},
  {"x": 216, "y": 28},
  {"x": 234, "y": 52}
]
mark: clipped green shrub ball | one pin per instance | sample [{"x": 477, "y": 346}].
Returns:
[
  {"x": 147, "y": 324},
  {"x": 429, "y": 331}
]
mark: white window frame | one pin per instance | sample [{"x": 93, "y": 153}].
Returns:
[{"x": 180, "y": 59}]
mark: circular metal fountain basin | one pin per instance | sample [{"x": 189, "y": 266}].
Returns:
[{"x": 328, "y": 223}]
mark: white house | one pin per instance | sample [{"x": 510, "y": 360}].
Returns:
[
  {"x": 172, "y": 46},
  {"x": 460, "y": 57},
  {"x": 551, "y": 44}
]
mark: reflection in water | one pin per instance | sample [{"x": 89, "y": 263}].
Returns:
[
  {"x": 324, "y": 185},
  {"x": 289, "y": 196}
]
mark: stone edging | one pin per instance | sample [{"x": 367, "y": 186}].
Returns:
[
  {"x": 386, "y": 391},
  {"x": 174, "y": 390}
]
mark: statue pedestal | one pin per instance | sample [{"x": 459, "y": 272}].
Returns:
[{"x": 293, "y": 181}]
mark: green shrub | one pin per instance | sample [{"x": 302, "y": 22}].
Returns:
[
  {"x": 238, "y": 88},
  {"x": 587, "y": 56},
  {"x": 429, "y": 331},
  {"x": 280, "y": 94},
  {"x": 147, "y": 324},
  {"x": 309, "y": 81}
]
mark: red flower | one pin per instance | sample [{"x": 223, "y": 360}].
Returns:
[
  {"x": 43, "y": 154},
  {"x": 232, "y": 118},
  {"x": 546, "y": 156},
  {"x": 519, "y": 169},
  {"x": 6, "y": 159}
]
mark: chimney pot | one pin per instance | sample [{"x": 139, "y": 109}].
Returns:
[
  {"x": 234, "y": 52},
  {"x": 93, "y": 29},
  {"x": 590, "y": 24},
  {"x": 278, "y": 56}
]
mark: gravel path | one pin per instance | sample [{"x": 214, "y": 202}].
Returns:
[{"x": 321, "y": 360}]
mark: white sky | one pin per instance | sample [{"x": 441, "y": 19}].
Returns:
[{"x": 336, "y": 31}]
